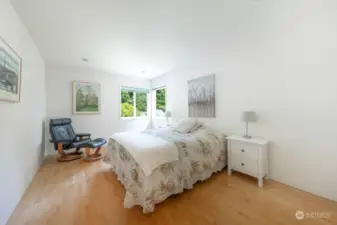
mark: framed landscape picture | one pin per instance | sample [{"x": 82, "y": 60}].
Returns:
[
  {"x": 10, "y": 73},
  {"x": 86, "y": 98}
]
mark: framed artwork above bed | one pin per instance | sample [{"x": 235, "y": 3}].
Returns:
[
  {"x": 201, "y": 96},
  {"x": 86, "y": 98}
]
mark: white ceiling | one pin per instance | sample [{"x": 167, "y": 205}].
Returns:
[{"x": 131, "y": 36}]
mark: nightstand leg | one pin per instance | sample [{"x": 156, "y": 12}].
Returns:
[
  {"x": 260, "y": 182},
  {"x": 229, "y": 171}
]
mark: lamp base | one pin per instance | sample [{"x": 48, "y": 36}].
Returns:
[{"x": 247, "y": 136}]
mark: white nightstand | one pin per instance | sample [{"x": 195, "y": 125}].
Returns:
[{"x": 249, "y": 156}]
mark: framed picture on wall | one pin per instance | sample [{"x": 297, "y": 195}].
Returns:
[
  {"x": 86, "y": 98},
  {"x": 201, "y": 96},
  {"x": 10, "y": 73}
]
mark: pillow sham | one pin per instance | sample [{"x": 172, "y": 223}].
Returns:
[{"x": 185, "y": 126}]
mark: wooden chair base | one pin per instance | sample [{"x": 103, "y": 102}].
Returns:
[
  {"x": 69, "y": 157},
  {"x": 66, "y": 157},
  {"x": 93, "y": 158},
  {"x": 89, "y": 157},
  {"x": 75, "y": 153}
]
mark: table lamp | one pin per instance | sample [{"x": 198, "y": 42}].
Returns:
[
  {"x": 167, "y": 115},
  {"x": 248, "y": 116}
]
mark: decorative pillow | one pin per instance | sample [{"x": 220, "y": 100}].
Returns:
[
  {"x": 185, "y": 126},
  {"x": 196, "y": 127}
]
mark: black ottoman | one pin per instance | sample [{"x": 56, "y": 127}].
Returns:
[{"x": 93, "y": 144}]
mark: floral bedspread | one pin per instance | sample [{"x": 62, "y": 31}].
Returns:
[{"x": 200, "y": 155}]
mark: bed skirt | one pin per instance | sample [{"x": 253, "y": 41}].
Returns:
[{"x": 166, "y": 180}]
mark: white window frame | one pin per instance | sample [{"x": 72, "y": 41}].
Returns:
[
  {"x": 154, "y": 102},
  {"x": 134, "y": 103}
]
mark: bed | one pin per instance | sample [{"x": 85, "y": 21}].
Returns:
[{"x": 199, "y": 154}]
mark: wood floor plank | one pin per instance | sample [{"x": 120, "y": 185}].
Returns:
[{"x": 82, "y": 193}]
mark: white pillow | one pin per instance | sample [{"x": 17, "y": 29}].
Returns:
[{"x": 185, "y": 126}]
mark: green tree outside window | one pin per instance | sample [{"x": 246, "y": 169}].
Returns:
[
  {"x": 160, "y": 101},
  {"x": 127, "y": 103}
]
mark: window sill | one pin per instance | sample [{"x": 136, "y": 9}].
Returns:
[{"x": 134, "y": 118}]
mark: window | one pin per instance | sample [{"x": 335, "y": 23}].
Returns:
[
  {"x": 159, "y": 102},
  {"x": 133, "y": 102}
]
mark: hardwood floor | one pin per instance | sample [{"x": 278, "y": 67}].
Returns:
[{"x": 89, "y": 194}]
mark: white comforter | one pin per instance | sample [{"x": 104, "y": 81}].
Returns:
[{"x": 147, "y": 150}]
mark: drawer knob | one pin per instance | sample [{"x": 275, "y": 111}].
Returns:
[
  {"x": 242, "y": 164},
  {"x": 242, "y": 150}
]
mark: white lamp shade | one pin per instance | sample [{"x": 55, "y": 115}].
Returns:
[
  {"x": 168, "y": 114},
  {"x": 249, "y": 116}
]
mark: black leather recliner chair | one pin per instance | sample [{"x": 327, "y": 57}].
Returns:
[{"x": 64, "y": 138}]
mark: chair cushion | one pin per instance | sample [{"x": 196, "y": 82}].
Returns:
[
  {"x": 94, "y": 143},
  {"x": 62, "y": 132},
  {"x": 61, "y": 121},
  {"x": 80, "y": 143}
]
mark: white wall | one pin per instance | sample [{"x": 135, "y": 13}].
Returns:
[
  {"x": 278, "y": 58},
  {"x": 59, "y": 101},
  {"x": 20, "y": 123}
]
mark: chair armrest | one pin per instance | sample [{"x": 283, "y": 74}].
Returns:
[{"x": 82, "y": 135}]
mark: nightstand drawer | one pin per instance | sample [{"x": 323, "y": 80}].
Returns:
[
  {"x": 244, "y": 165},
  {"x": 244, "y": 150}
]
